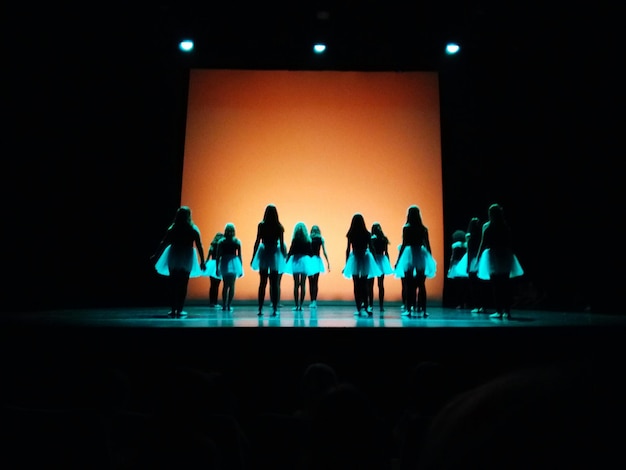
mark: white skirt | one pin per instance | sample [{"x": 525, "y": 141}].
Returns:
[
  {"x": 458, "y": 269},
  {"x": 502, "y": 262},
  {"x": 268, "y": 259},
  {"x": 384, "y": 264},
  {"x": 211, "y": 269},
  {"x": 362, "y": 266},
  {"x": 299, "y": 264},
  {"x": 230, "y": 265},
  {"x": 183, "y": 258},
  {"x": 415, "y": 259},
  {"x": 317, "y": 265}
]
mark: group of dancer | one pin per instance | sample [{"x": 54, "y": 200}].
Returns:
[
  {"x": 180, "y": 256},
  {"x": 272, "y": 259},
  {"x": 367, "y": 258},
  {"x": 484, "y": 253}
]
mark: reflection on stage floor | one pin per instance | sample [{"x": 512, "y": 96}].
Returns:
[{"x": 326, "y": 315}]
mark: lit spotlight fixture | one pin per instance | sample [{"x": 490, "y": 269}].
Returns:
[
  {"x": 452, "y": 48},
  {"x": 319, "y": 48},
  {"x": 186, "y": 45}
]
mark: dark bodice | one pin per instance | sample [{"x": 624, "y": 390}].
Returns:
[
  {"x": 458, "y": 250},
  {"x": 300, "y": 247},
  {"x": 496, "y": 236},
  {"x": 473, "y": 244},
  {"x": 360, "y": 243},
  {"x": 181, "y": 236},
  {"x": 316, "y": 245},
  {"x": 213, "y": 249},
  {"x": 414, "y": 236},
  {"x": 270, "y": 235},
  {"x": 228, "y": 246},
  {"x": 380, "y": 244}
]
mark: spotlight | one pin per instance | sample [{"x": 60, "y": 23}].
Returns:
[
  {"x": 319, "y": 48},
  {"x": 186, "y": 45},
  {"x": 452, "y": 48}
]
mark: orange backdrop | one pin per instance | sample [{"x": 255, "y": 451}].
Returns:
[{"x": 321, "y": 146}]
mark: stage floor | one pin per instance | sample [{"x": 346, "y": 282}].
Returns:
[
  {"x": 326, "y": 315},
  {"x": 241, "y": 340}
]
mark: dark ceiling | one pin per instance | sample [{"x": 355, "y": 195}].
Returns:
[
  {"x": 360, "y": 34},
  {"x": 380, "y": 34}
]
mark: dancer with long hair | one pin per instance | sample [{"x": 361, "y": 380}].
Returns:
[
  {"x": 476, "y": 287},
  {"x": 177, "y": 257},
  {"x": 268, "y": 257},
  {"x": 318, "y": 248},
  {"x": 457, "y": 278},
  {"x": 211, "y": 271},
  {"x": 229, "y": 265},
  {"x": 497, "y": 262},
  {"x": 298, "y": 262},
  {"x": 360, "y": 262},
  {"x": 415, "y": 262},
  {"x": 380, "y": 243}
]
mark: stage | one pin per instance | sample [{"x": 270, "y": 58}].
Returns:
[
  {"x": 326, "y": 315},
  {"x": 242, "y": 340}
]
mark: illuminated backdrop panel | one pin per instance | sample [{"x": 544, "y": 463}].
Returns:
[{"x": 321, "y": 146}]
